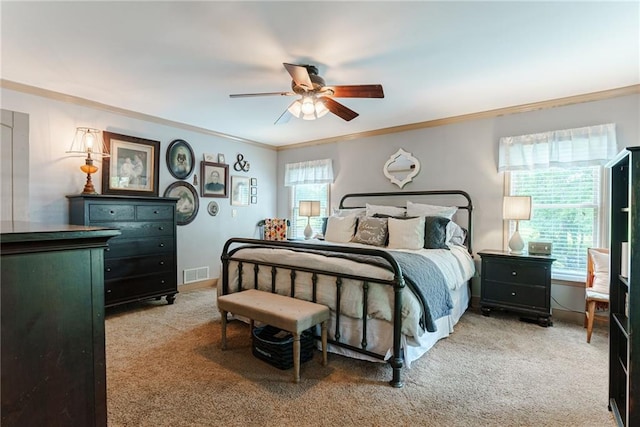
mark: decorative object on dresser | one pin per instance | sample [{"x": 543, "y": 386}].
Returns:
[
  {"x": 133, "y": 166},
  {"x": 624, "y": 288},
  {"x": 180, "y": 159},
  {"x": 88, "y": 141},
  {"x": 519, "y": 283},
  {"x": 141, "y": 262},
  {"x": 214, "y": 179},
  {"x": 308, "y": 208},
  {"x": 401, "y": 168},
  {"x": 53, "y": 339},
  {"x": 188, "y": 204},
  {"x": 516, "y": 208}
]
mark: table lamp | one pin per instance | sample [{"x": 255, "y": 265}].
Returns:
[
  {"x": 308, "y": 208},
  {"x": 88, "y": 141},
  {"x": 516, "y": 208}
]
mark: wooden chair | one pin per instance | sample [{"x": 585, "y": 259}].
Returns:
[{"x": 597, "y": 286}]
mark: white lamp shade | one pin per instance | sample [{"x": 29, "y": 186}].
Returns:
[
  {"x": 309, "y": 208},
  {"x": 516, "y": 207},
  {"x": 308, "y": 108},
  {"x": 88, "y": 140}
]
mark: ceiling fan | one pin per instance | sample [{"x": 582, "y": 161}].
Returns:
[{"x": 316, "y": 99}]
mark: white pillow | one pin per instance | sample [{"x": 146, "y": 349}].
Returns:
[
  {"x": 455, "y": 234},
  {"x": 340, "y": 229},
  {"x": 600, "y": 272},
  {"x": 420, "y": 209},
  {"x": 406, "y": 233},
  {"x": 385, "y": 210},
  {"x": 349, "y": 212}
]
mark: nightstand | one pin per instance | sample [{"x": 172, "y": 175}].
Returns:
[{"x": 518, "y": 283}]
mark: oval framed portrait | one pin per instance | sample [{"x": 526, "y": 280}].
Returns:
[
  {"x": 212, "y": 208},
  {"x": 188, "y": 203},
  {"x": 180, "y": 159}
]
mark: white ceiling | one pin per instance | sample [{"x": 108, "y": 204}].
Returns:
[{"x": 180, "y": 60}]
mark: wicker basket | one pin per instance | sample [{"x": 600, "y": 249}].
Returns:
[{"x": 275, "y": 346}]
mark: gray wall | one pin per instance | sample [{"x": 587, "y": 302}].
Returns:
[
  {"x": 55, "y": 174},
  {"x": 462, "y": 156}
]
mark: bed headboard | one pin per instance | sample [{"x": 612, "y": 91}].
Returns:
[{"x": 458, "y": 198}]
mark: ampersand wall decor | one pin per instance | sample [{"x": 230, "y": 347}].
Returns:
[{"x": 241, "y": 164}]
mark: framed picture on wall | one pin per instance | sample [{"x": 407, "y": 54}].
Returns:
[
  {"x": 180, "y": 159},
  {"x": 239, "y": 190},
  {"x": 214, "y": 179},
  {"x": 187, "y": 205},
  {"x": 132, "y": 168}
]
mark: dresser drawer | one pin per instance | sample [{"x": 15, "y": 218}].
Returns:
[
  {"x": 120, "y": 248},
  {"x": 513, "y": 294},
  {"x": 140, "y": 229},
  {"x": 137, "y": 288},
  {"x": 123, "y": 267},
  {"x": 515, "y": 272},
  {"x": 154, "y": 212},
  {"x": 107, "y": 212}
]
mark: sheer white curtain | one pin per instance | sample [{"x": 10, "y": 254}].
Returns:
[
  {"x": 586, "y": 146},
  {"x": 309, "y": 172}
]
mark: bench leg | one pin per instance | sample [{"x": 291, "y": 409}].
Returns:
[
  {"x": 251, "y": 326},
  {"x": 323, "y": 327},
  {"x": 224, "y": 329},
  {"x": 296, "y": 358}
]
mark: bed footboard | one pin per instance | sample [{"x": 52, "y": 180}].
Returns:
[{"x": 247, "y": 265}]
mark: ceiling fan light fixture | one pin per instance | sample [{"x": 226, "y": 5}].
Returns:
[{"x": 308, "y": 108}]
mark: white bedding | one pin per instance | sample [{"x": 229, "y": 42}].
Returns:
[{"x": 456, "y": 265}]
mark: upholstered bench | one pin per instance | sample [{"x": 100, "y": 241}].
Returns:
[{"x": 290, "y": 314}]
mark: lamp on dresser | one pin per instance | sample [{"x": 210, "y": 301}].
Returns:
[
  {"x": 516, "y": 208},
  {"x": 88, "y": 141},
  {"x": 308, "y": 208}
]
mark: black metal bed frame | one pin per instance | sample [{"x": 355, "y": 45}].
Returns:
[{"x": 397, "y": 360}]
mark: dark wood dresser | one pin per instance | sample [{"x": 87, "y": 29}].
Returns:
[
  {"x": 52, "y": 316},
  {"x": 519, "y": 283},
  {"x": 141, "y": 262}
]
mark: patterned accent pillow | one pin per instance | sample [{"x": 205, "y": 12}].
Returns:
[
  {"x": 371, "y": 231},
  {"x": 435, "y": 232},
  {"x": 275, "y": 229}
]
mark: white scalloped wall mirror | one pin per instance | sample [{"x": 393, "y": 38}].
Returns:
[{"x": 401, "y": 168}]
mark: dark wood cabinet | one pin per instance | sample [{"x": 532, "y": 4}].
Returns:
[
  {"x": 52, "y": 317},
  {"x": 141, "y": 262},
  {"x": 519, "y": 283},
  {"x": 624, "y": 288}
]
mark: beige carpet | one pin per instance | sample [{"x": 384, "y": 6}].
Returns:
[{"x": 165, "y": 368}]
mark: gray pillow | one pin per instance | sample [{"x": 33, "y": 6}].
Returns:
[
  {"x": 371, "y": 231},
  {"x": 435, "y": 232}
]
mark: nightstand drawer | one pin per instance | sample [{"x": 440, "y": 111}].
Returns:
[
  {"x": 515, "y": 272},
  {"x": 513, "y": 294}
]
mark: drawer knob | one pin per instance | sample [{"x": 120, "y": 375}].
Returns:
[
  {"x": 513, "y": 294},
  {"x": 156, "y": 212},
  {"x": 161, "y": 262},
  {"x": 162, "y": 281},
  {"x": 513, "y": 273},
  {"x": 108, "y": 269},
  {"x": 161, "y": 245},
  {"x": 108, "y": 291},
  {"x": 160, "y": 228},
  {"x": 112, "y": 212},
  {"x": 107, "y": 249}
]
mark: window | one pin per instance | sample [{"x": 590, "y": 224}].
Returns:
[
  {"x": 562, "y": 171},
  {"x": 308, "y": 192},
  {"x": 308, "y": 180},
  {"x": 567, "y": 210}
]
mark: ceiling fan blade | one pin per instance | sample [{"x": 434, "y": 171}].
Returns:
[
  {"x": 246, "y": 95},
  {"x": 299, "y": 74},
  {"x": 338, "y": 109},
  {"x": 285, "y": 116},
  {"x": 356, "y": 91}
]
